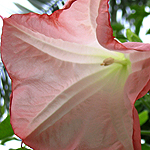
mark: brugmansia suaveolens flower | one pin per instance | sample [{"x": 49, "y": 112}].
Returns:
[{"x": 73, "y": 84}]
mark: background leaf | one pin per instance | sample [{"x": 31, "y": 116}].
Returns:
[
  {"x": 20, "y": 149},
  {"x": 145, "y": 147},
  {"x": 132, "y": 37},
  {"x": 5, "y": 128},
  {"x": 148, "y": 32},
  {"x": 143, "y": 116}
]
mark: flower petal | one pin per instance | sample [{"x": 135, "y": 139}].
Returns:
[
  {"x": 85, "y": 120},
  {"x": 62, "y": 50},
  {"x": 137, "y": 46},
  {"x": 136, "y": 88},
  {"x": 73, "y": 24},
  {"x": 62, "y": 98},
  {"x": 60, "y": 89},
  {"x": 104, "y": 31},
  {"x": 91, "y": 8}
]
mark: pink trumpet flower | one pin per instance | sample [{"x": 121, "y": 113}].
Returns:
[{"x": 73, "y": 84}]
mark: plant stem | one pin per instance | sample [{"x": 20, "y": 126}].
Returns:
[
  {"x": 145, "y": 103},
  {"x": 145, "y": 132}
]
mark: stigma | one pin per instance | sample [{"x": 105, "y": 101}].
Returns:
[{"x": 108, "y": 61}]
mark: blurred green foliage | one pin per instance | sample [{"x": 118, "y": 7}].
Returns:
[
  {"x": 42, "y": 6},
  {"x": 143, "y": 116},
  {"x": 145, "y": 147},
  {"x": 132, "y": 12},
  {"x": 5, "y": 91},
  {"x": 132, "y": 37},
  {"x": 5, "y": 128},
  {"x": 143, "y": 107}
]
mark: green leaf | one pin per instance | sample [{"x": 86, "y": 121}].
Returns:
[
  {"x": 44, "y": 1},
  {"x": 148, "y": 32},
  {"x": 143, "y": 116},
  {"x": 5, "y": 128},
  {"x": 5, "y": 90},
  {"x": 20, "y": 149},
  {"x": 138, "y": 16},
  {"x": 36, "y": 4},
  {"x": 22, "y": 8},
  {"x": 2, "y": 108},
  {"x": 8, "y": 139},
  {"x": 145, "y": 147},
  {"x": 145, "y": 132},
  {"x": 132, "y": 37},
  {"x": 117, "y": 26}
]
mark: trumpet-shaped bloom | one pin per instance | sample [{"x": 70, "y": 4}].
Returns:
[{"x": 74, "y": 85}]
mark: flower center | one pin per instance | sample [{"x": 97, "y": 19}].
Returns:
[{"x": 110, "y": 60}]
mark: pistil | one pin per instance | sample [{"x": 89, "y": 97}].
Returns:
[{"x": 110, "y": 60}]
